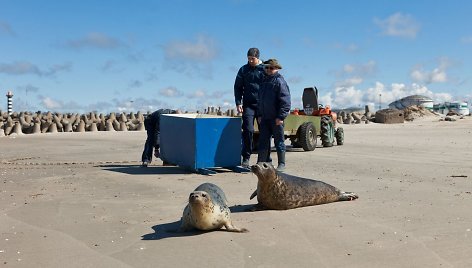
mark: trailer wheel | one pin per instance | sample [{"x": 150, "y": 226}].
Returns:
[
  {"x": 339, "y": 136},
  {"x": 327, "y": 131},
  {"x": 307, "y": 136}
]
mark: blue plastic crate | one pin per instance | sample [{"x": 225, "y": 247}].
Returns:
[{"x": 197, "y": 141}]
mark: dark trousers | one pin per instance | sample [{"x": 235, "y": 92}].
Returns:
[
  {"x": 267, "y": 129},
  {"x": 150, "y": 124},
  {"x": 248, "y": 117}
]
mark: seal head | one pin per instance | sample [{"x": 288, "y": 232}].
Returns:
[{"x": 207, "y": 210}]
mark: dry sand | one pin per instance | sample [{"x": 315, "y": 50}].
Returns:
[{"x": 81, "y": 200}]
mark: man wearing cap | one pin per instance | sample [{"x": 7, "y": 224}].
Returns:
[
  {"x": 273, "y": 108},
  {"x": 246, "y": 91}
]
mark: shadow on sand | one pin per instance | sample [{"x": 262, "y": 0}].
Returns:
[
  {"x": 167, "y": 230},
  {"x": 138, "y": 170}
]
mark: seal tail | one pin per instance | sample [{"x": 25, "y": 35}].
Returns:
[{"x": 348, "y": 196}]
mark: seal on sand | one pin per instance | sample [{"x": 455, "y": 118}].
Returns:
[
  {"x": 282, "y": 191},
  {"x": 207, "y": 209}
]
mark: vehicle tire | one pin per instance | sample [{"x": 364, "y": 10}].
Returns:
[
  {"x": 339, "y": 136},
  {"x": 307, "y": 136},
  {"x": 327, "y": 131}
]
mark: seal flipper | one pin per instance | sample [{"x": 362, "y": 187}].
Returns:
[
  {"x": 231, "y": 228},
  {"x": 348, "y": 196},
  {"x": 253, "y": 195}
]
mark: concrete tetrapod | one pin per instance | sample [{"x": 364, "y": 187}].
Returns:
[
  {"x": 109, "y": 126},
  {"x": 80, "y": 127},
  {"x": 52, "y": 128},
  {"x": 93, "y": 127},
  {"x": 2, "y": 131},
  {"x": 123, "y": 126},
  {"x": 17, "y": 129},
  {"x": 36, "y": 128},
  {"x": 141, "y": 126}
]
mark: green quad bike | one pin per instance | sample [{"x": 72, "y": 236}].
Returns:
[{"x": 304, "y": 127}]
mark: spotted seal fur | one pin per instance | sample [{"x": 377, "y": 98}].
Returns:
[
  {"x": 281, "y": 191},
  {"x": 207, "y": 209}
]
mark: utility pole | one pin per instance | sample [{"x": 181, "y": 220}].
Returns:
[{"x": 380, "y": 101}]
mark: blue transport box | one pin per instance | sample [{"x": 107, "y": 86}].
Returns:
[{"x": 200, "y": 141}]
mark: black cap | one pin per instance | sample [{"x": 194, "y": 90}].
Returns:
[{"x": 253, "y": 52}]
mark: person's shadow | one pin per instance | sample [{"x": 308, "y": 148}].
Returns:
[
  {"x": 166, "y": 230},
  {"x": 138, "y": 170}
]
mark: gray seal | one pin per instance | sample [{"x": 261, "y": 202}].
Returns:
[
  {"x": 207, "y": 210},
  {"x": 281, "y": 191}
]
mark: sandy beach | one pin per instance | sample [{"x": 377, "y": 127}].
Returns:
[{"x": 82, "y": 200}]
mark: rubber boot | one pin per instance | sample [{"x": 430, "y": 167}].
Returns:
[
  {"x": 269, "y": 159},
  {"x": 281, "y": 161}
]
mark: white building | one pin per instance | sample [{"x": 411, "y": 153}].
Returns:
[
  {"x": 458, "y": 107},
  {"x": 417, "y": 100}
]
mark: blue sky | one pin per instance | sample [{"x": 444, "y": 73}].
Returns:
[{"x": 111, "y": 56}]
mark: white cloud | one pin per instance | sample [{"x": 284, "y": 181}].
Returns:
[
  {"x": 398, "y": 24},
  {"x": 346, "y": 97},
  {"x": 111, "y": 66},
  {"x": 28, "y": 89},
  {"x": 219, "y": 94},
  {"x": 466, "y": 39},
  {"x": 437, "y": 75},
  {"x": 192, "y": 58},
  {"x": 170, "y": 92},
  {"x": 24, "y": 68},
  {"x": 51, "y": 104},
  {"x": 95, "y": 40},
  {"x": 19, "y": 68},
  {"x": 294, "y": 80},
  {"x": 135, "y": 83},
  {"x": 197, "y": 94},
  {"x": 58, "y": 68},
  {"x": 350, "y": 48},
  {"x": 203, "y": 49},
  {"x": 349, "y": 82},
  {"x": 359, "y": 70}
]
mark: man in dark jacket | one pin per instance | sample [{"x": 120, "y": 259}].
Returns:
[
  {"x": 273, "y": 108},
  {"x": 246, "y": 91},
  {"x": 152, "y": 126}
]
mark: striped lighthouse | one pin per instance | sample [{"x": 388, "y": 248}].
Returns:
[{"x": 10, "y": 102}]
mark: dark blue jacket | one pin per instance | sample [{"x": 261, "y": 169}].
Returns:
[
  {"x": 274, "y": 98},
  {"x": 246, "y": 85},
  {"x": 152, "y": 121}
]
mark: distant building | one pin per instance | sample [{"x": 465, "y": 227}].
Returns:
[
  {"x": 418, "y": 100},
  {"x": 458, "y": 107}
]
